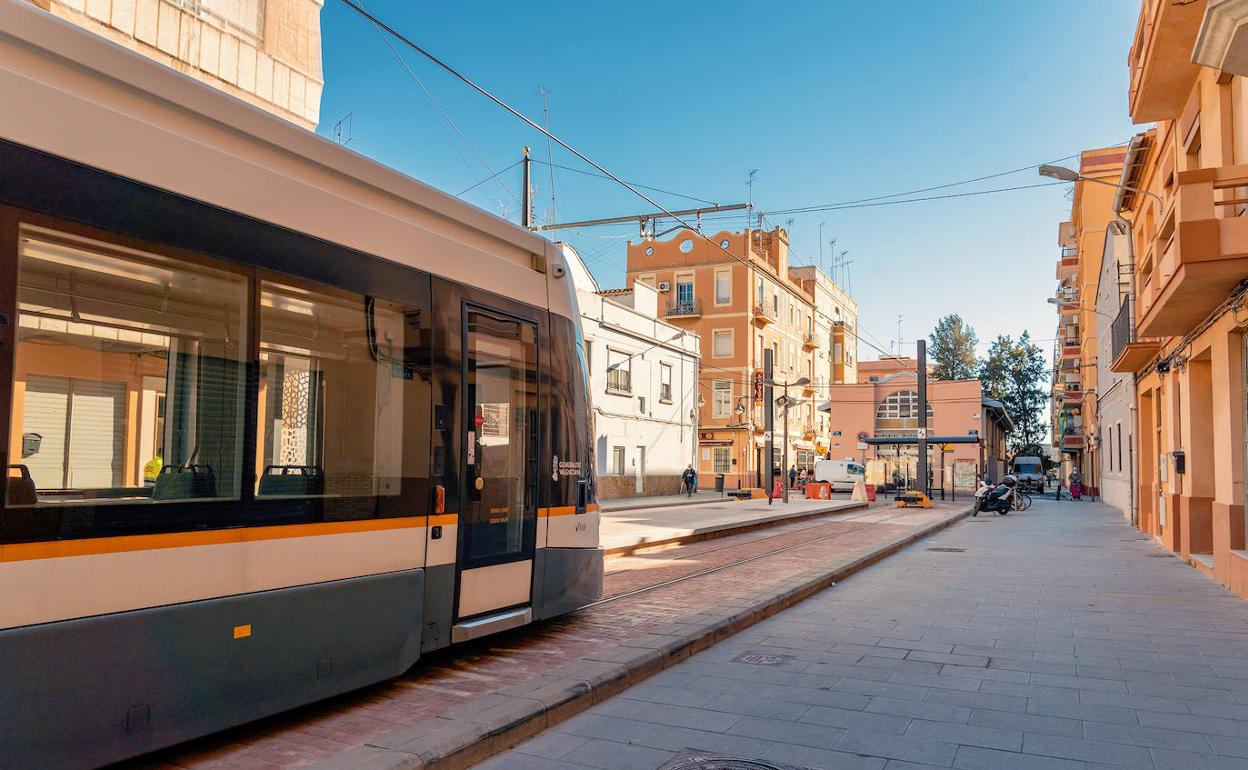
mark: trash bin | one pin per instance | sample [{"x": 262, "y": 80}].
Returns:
[
  {"x": 719, "y": 483},
  {"x": 871, "y": 493}
]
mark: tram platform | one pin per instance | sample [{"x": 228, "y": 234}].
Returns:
[{"x": 628, "y": 530}]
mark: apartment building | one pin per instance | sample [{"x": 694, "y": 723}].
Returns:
[
  {"x": 1180, "y": 329},
  {"x": 266, "y": 52},
  {"x": 643, "y": 385},
  {"x": 739, "y": 294},
  {"x": 1074, "y": 382}
]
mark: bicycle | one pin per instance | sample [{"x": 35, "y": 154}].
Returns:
[{"x": 1021, "y": 501}]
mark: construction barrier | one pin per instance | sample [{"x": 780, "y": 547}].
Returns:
[
  {"x": 818, "y": 490},
  {"x": 871, "y": 492},
  {"x": 860, "y": 491}
]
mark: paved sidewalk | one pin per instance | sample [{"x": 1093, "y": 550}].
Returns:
[
  {"x": 702, "y": 496},
  {"x": 1059, "y": 637},
  {"x": 624, "y": 530}
]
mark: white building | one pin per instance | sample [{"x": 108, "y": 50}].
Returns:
[
  {"x": 1115, "y": 393},
  {"x": 643, "y": 384}
]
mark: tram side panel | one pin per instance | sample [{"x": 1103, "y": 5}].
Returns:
[
  {"x": 569, "y": 562},
  {"x": 132, "y": 620}
]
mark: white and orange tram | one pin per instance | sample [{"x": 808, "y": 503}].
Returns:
[{"x": 279, "y": 419}]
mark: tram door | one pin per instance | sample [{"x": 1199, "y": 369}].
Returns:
[{"x": 498, "y": 521}]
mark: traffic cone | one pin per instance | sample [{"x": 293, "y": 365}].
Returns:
[{"x": 859, "y": 494}]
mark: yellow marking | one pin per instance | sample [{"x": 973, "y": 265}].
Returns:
[
  {"x": 89, "y": 546},
  {"x": 561, "y": 510},
  {"x": 242, "y": 632}
]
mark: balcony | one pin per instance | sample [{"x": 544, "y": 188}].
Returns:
[
  {"x": 1222, "y": 43},
  {"x": 1200, "y": 257},
  {"x": 764, "y": 315},
  {"x": 1162, "y": 71},
  {"x": 690, "y": 308},
  {"x": 1072, "y": 440},
  {"x": 809, "y": 341},
  {"x": 1072, "y": 393},
  {"x": 1129, "y": 354},
  {"x": 1068, "y": 263}
]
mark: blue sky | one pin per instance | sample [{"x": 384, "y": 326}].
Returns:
[{"x": 830, "y": 101}]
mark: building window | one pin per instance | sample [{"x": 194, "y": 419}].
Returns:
[
  {"x": 133, "y": 374},
  {"x": 723, "y": 459},
  {"x": 758, "y": 351},
  {"x": 723, "y": 287},
  {"x": 665, "y": 383},
  {"x": 619, "y": 372},
  {"x": 684, "y": 291},
  {"x": 898, "y": 414},
  {"x": 721, "y": 343},
  {"x": 617, "y": 460},
  {"x": 641, "y": 404},
  {"x": 721, "y": 398},
  {"x": 761, "y": 296},
  {"x": 1119, "y": 432}
]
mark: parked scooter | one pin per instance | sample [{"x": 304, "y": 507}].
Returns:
[{"x": 998, "y": 499}]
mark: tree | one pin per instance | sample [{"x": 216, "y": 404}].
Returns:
[
  {"x": 1014, "y": 373},
  {"x": 952, "y": 349}
]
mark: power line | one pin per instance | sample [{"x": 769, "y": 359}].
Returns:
[
  {"x": 634, "y": 184},
  {"x": 488, "y": 178}
]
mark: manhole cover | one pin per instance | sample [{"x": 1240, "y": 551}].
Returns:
[
  {"x": 713, "y": 762},
  {"x": 762, "y": 659},
  {"x": 947, "y": 550}
]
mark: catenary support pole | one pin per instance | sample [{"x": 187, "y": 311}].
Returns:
[
  {"x": 921, "y": 360},
  {"x": 769, "y": 419}
]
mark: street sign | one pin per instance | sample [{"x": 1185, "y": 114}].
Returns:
[
  {"x": 862, "y": 435},
  {"x": 758, "y": 386},
  {"x": 946, "y": 447},
  {"x": 862, "y": 445},
  {"x": 922, "y": 433},
  {"x": 767, "y": 436}
]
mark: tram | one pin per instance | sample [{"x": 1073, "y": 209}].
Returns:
[{"x": 279, "y": 419}]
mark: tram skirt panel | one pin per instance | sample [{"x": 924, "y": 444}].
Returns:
[
  {"x": 570, "y": 579},
  {"x": 88, "y": 692}
]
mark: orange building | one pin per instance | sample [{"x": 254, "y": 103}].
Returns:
[
  {"x": 886, "y": 409},
  {"x": 1181, "y": 331},
  {"x": 738, "y": 292},
  {"x": 1082, "y": 243}
]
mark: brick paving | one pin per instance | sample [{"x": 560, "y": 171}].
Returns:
[
  {"x": 1059, "y": 638},
  {"x": 451, "y": 678}
]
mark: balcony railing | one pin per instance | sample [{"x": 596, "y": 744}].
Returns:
[
  {"x": 1122, "y": 331},
  {"x": 810, "y": 341},
  {"x": 1070, "y": 251},
  {"x": 764, "y": 314},
  {"x": 684, "y": 308}
]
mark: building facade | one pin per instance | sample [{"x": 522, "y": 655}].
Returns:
[
  {"x": 643, "y": 374},
  {"x": 877, "y": 423},
  {"x": 1074, "y": 382},
  {"x": 1115, "y": 393},
  {"x": 738, "y": 293},
  {"x": 1181, "y": 326},
  {"x": 266, "y": 52}
]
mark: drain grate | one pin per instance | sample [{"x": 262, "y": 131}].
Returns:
[
  {"x": 947, "y": 550},
  {"x": 713, "y": 762},
  {"x": 762, "y": 659}
]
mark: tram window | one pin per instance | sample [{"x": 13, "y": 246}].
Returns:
[
  {"x": 129, "y": 376},
  {"x": 331, "y": 403}
]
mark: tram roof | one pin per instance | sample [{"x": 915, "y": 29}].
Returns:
[{"x": 79, "y": 96}]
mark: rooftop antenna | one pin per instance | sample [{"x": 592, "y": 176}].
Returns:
[
  {"x": 749, "y": 182},
  {"x": 342, "y": 129},
  {"x": 550, "y": 160},
  {"x": 899, "y": 335}
]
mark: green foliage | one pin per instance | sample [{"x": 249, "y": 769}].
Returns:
[
  {"x": 952, "y": 349},
  {"x": 1014, "y": 373}
]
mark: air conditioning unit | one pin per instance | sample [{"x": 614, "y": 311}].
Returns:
[{"x": 665, "y": 285}]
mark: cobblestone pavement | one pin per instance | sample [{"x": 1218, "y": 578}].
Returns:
[
  {"x": 444, "y": 680},
  {"x": 1055, "y": 638}
]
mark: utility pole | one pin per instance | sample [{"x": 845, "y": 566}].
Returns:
[
  {"x": 921, "y": 356},
  {"x": 526, "y": 203},
  {"x": 784, "y": 464},
  {"x": 769, "y": 419}
]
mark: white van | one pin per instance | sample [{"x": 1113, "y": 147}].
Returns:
[
  {"x": 841, "y": 474},
  {"x": 1030, "y": 472}
]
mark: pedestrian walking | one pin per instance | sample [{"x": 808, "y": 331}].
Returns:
[
  {"x": 792, "y": 476},
  {"x": 687, "y": 480},
  {"x": 1076, "y": 484}
]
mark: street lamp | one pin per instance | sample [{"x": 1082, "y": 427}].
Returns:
[
  {"x": 1060, "y": 304},
  {"x": 1063, "y": 174},
  {"x": 785, "y": 402}
]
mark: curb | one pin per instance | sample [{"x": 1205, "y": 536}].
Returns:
[
  {"x": 726, "y": 530},
  {"x": 494, "y": 723}
]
